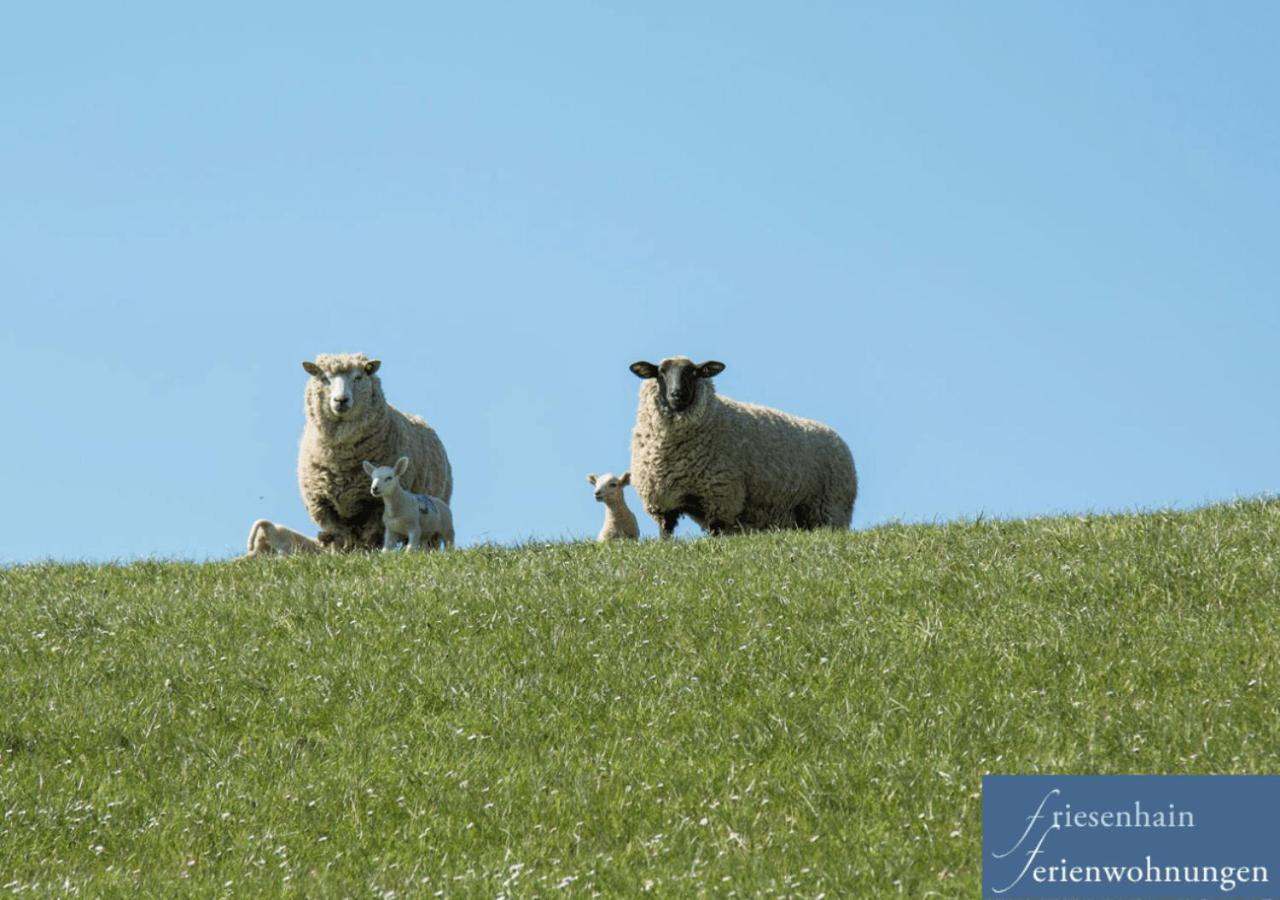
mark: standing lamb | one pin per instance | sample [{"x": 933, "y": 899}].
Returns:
[
  {"x": 422, "y": 520},
  {"x": 348, "y": 421},
  {"x": 619, "y": 521},
  {"x": 732, "y": 466}
]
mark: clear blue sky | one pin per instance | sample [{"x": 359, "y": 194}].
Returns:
[{"x": 1024, "y": 257}]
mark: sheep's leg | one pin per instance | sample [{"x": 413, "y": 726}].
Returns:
[
  {"x": 388, "y": 540},
  {"x": 327, "y": 519},
  {"x": 415, "y": 537},
  {"x": 667, "y": 523}
]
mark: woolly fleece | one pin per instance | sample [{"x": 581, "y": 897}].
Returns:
[
  {"x": 330, "y": 478},
  {"x": 733, "y": 466}
]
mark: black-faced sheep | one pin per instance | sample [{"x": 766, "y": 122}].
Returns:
[
  {"x": 348, "y": 421},
  {"x": 732, "y": 466}
]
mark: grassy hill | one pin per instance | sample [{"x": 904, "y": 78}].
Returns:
[{"x": 776, "y": 715}]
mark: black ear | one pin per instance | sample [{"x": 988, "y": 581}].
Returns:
[
  {"x": 644, "y": 369},
  {"x": 312, "y": 368},
  {"x": 372, "y": 366},
  {"x": 710, "y": 369}
]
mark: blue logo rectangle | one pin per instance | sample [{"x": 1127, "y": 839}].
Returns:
[{"x": 1151, "y": 836}]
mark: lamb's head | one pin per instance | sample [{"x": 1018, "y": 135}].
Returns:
[
  {"x": 342, "y": 384},
  {"x": 386, "y": 479},
  {"x": 609, "y": 486},
  {"x": 680, "y": 381}
]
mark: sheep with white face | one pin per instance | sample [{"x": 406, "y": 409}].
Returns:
[
  {"x": 423, "y": 521},
  {"x": 619, "y": 521}
]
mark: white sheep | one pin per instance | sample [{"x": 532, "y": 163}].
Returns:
[
  {"x": 424, "y": 521},
  {"x": 350, "y": 420},
  {"x": 732, "y": 466},
  {"x": 270, "y": 538},
  {"x": 619, "y": 521}
]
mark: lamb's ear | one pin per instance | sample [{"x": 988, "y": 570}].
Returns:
[
  {"x": 367, "y": 466},
  {"x": 592, "y": 478},
  {"x": 710, "y": 369},
  {"x": 372, "y": 366},
  {"x": 626, "y": 478},
  {"x": 312, "y": 368},
  {"x": 644, "y": 369},
  {"x": 402, "y": 465}
]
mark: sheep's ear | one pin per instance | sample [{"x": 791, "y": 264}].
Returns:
[
  {"x": 372, "y": 366},
  {"x": 644, "y": 369},
  {"x": 402, "y": 465},
  {"x": 710, "y": 369},
  {"x": 626, "y": 478},
  {"x": 311, "y": 368},
  {"x": 592, "y": 478},
  {"x": 367, "y": 466}
]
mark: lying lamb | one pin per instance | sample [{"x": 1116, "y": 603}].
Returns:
[
  {"x": 619, "y": 521},
  {"x": 267, "y": 538},
  {"x": 424, "y": 521}
]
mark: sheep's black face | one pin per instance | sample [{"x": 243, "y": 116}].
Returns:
[{"x": 677, "y": 380}]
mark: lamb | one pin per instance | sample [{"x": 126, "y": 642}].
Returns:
[
  {"x": 349, "y": 420},
  {"x": 267, "y": 538},
  {"x": 619, "y": 521},
  {"x": 424, "y": 521},
  {"x": 731, "y": 466}
]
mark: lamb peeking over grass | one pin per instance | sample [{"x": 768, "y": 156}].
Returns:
[
  {"x": 268, "y": 538},
  {"x": 424, "y": 521},
  {"x": 619, "y": 521}
]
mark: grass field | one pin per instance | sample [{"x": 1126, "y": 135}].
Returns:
[{"x": 776, "y": 715}]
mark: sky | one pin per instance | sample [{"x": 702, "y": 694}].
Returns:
[{"x": 1021, "y": 256}]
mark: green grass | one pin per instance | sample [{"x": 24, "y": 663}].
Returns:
[{"x": 776, "y": 715}]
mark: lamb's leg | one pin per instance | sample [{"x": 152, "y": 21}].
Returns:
[
  {"x": 388, "y": 540},
  {"x": 415, "y": 537}
]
